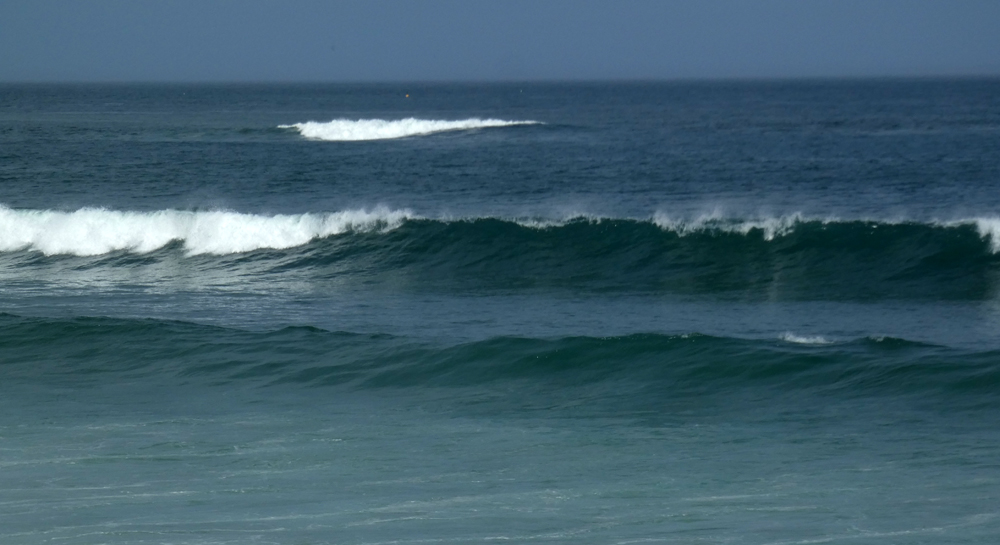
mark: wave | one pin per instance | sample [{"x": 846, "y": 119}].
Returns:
[
  {"x": 783, "y": 258},
  {"x": 101, "y": 352},
  {"x": 95, "y": 231},
  {"x": 345, "y": 130}
]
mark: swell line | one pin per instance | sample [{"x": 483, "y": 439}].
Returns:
[{"x": 96, "y": 351}]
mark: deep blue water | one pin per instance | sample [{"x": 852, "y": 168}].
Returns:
[{"x": 718, "y": 312}]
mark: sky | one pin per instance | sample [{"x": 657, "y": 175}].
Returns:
[{"x": 491, "y": 40}]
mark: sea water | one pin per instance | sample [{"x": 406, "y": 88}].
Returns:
[{"x": 697, "y": 312}]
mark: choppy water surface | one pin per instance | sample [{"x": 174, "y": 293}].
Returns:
[{"x": 761, "y": 312}]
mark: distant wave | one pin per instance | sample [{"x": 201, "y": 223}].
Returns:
[
  {"x": 95, "y": 231},
  {"x": 344, "y": 130}
]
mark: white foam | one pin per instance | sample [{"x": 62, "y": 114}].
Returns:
[
  {"x": 95, "y": 231},
  {"x": 343, "y": 130},
  {"x": 800, "y": 339},
  {"x": 989, "y": 228},
  {"x": 770, "y": 226},
  {"x": 560, "y": 221}
]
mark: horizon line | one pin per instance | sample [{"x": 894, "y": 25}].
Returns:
[{"x": 522, "y": 81}]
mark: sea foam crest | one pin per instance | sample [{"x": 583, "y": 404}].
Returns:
[
  {"x": 989, "y": 228},
  {"x": 95, "y": 231},
  {"x": 771, "y": 227},
  {"x": 790, "y": 337},
  {"x": 344, "y": 130}
]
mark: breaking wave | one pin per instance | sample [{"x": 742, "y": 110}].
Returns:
[
  {"x": 95, "y": 231},
  {"x": 780, "y": 258},
  {"x": 346, "y": 130}
]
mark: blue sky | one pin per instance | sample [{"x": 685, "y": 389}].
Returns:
[{"x": 392, "y": 40}]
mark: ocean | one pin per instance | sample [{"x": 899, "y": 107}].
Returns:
[{"x": 726, "y": 312}]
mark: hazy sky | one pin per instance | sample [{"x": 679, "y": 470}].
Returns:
[{"x": 387, "y": 40}]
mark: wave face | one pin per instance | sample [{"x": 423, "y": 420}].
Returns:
[
  {"x": 100, "y": 351},
  {"x": 807, "y": 259},
  {"x": 777, "y": 258},
  {"x": 347, "y": 130}
]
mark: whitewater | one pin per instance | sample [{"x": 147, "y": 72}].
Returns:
[
  {"x": 347, "y": 130},
  {"x": 91, "y": 231}
]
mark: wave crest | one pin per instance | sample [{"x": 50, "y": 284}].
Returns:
[
  {"x": 770, "y": 226},
  {"x": 790, "y": 337},
  {"x": 348, "y": 130},
  {"x": 95, "y": 231},
  {"x": 989, "y": 228}
]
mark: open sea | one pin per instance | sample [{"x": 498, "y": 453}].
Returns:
[{"x": 745, "y": 312}]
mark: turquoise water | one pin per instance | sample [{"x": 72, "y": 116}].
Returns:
[{"x": 759, "y": 312}]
